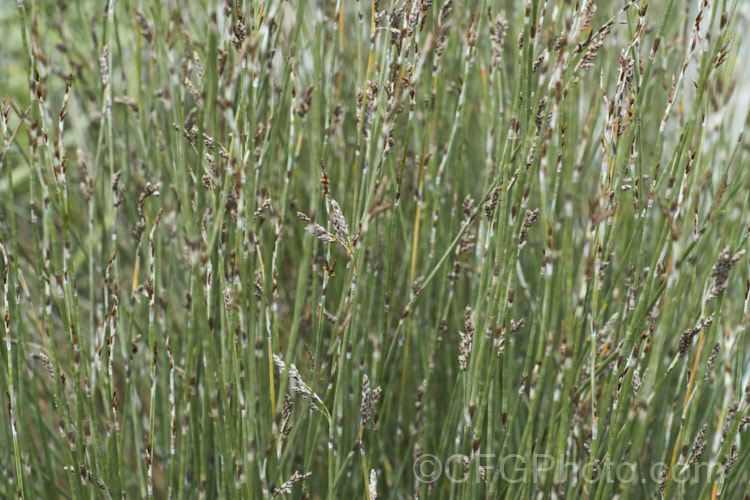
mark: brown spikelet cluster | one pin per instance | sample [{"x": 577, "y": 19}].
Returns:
[
  {"x": 286, "y": 415},
  {"x": 588, "y": 14},
  {"x": 711, "y": 360},
  {"x": 44, "y": 360},
  {"x": 338, "y": 222},
  {"x": 104, "y": 66},
  {"x": 592, "y": 47},
  {"x": 298, "y": 385},
  {"x": 262, "y": 209},
  {"x": 147, "y": 29},
  {"x": 497, "y": 35},
  {"x": 731, "y": 459},
  {"x": 720, "y": 272},
  {"x": 148, "y": 190},
  {"x": 239, "y": 32},
  {"x": 286, "y": 487},
  {"x": 728, "y": 419},
  {"x": 466, "y": 340},
  {"x": 699, "y": 446},
  {"x": 320, "y": 233},
  {"x": 687, "y": 335},
  {"x": 489, "y": 206},
  {"x": 531, "y": 217},
  {"x": 516, "y": 325},
  {"x": 370, "y": 398}
]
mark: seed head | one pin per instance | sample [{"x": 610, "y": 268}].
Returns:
[
  {"x": 699, "y": 445},
  {"x": 731, "y": 413},
  {"x": 712, "y": 360},
  {"x": 370, "y": 398},
  {"x": 263, "y": 208},
  {"x": 104, "y": 65},
  {"x": 489, "y": 207},
  {"x": 720, "y": 272},
  {"x": 497, "y": 37},
  {"x": 286, "y": 487},
  {"x": 373, "y": 486},
  {"x": 531, "y": 217},
  {"x": 466, "y": 340},
  {"x": 338, "y": 222}
]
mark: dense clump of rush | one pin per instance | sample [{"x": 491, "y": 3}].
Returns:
[{"x": 434, "y": 249}]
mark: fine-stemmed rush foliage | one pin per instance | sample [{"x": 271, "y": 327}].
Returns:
[{"x": 375, "y": 248}]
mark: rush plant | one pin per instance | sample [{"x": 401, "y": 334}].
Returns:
[{"x": 375, "y": 248}]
